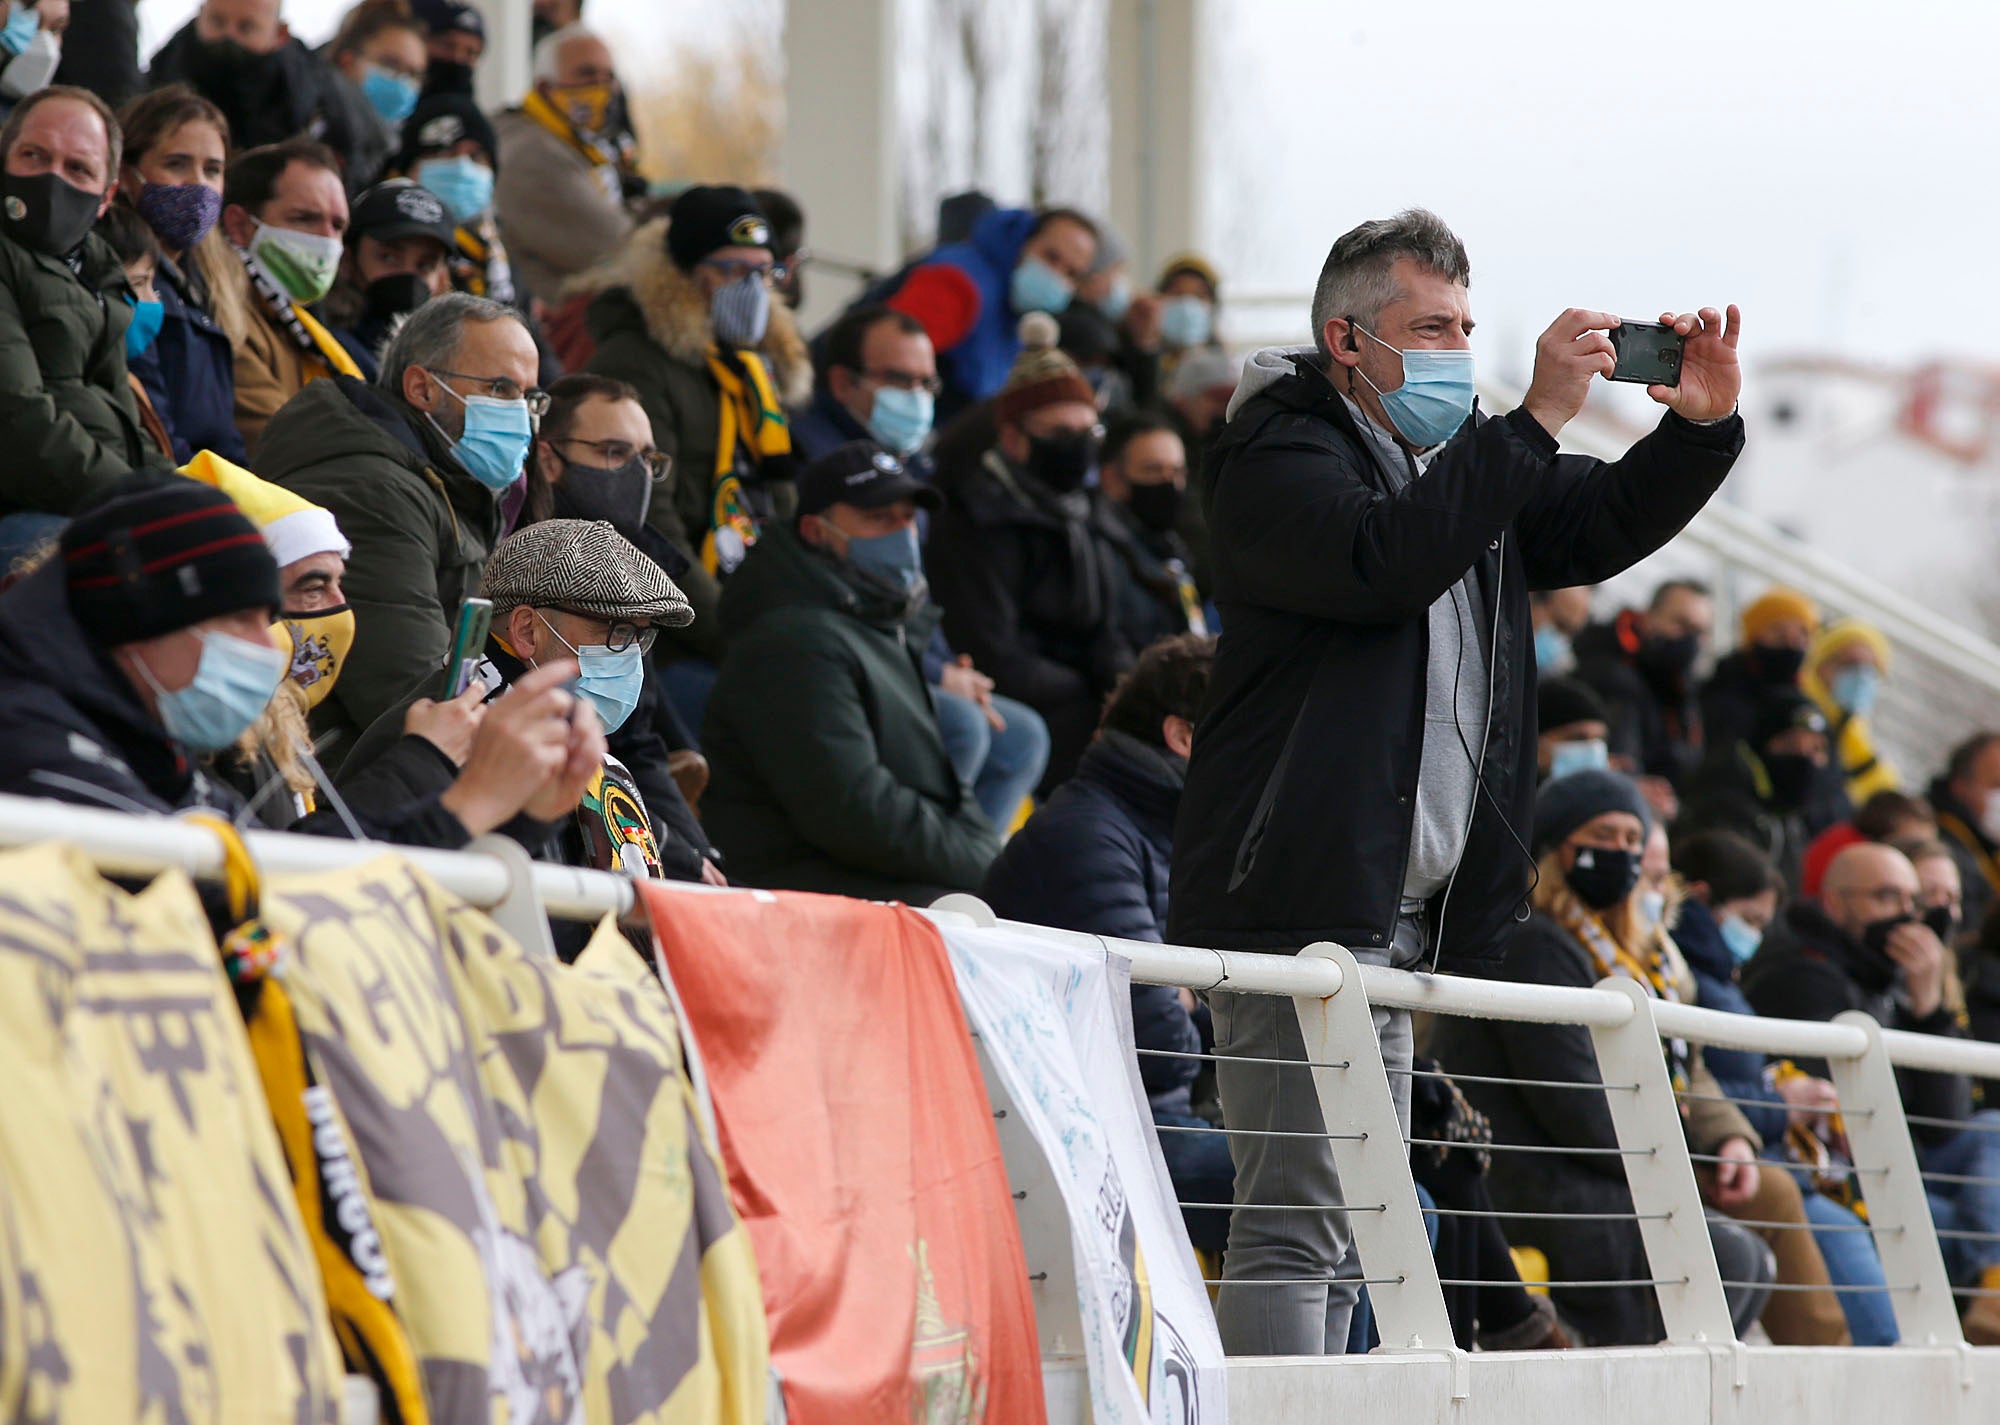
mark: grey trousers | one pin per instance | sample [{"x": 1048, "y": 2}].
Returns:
[{"x": 1291, "y": 1279}]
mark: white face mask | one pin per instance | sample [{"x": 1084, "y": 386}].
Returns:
[{"x": 1989, "y": 816}]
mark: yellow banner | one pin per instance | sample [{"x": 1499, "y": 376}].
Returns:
[
  {"x": 556, "y": 1232},
  {"x": 153, "y": 1267}
]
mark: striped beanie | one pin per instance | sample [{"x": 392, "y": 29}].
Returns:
[
  {"x": 160, "y": 554},
  {"x": 1043, "y": 374}
]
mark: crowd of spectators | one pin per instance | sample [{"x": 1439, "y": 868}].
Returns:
[{"x": 304, "y": 351}]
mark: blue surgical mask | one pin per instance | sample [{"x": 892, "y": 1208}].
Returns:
[
  {"x": 19, "y": 31},
  {"x": 233, "y": 681},
  {"x": 1740, "y": 936},
  {"x": 1118, "y": 301},
  {"x": 496, "y": 439},
  {"x": 901, "y": 419},
  {"x": 1551, "y": 648},
  {"x": 1436, "y": 395},
  {"x": 894, "y": 558},
  {"x": 1587, "y": 756},
  {"x": 1038, "y": 287},
  {"x": 1652, "y": 908},
  {"x": 391, "y": 96},
  {"x": 463, "y": 184},
  {"x": 610, "y": 679},
  {"x": 146, "y": 319},
  {"x": 1855, "y": 688},
  {"x": 1186, "y": 321}
]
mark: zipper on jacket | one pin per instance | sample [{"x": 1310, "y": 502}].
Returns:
[{"x": 1485, "y": 737}]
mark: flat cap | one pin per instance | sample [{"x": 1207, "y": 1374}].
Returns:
[{"x": 584, "y": 566}]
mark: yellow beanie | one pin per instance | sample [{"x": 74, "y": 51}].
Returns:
[
  {"x": 1843, "y": 634},
  {"x": 293, "y": 527},
  {"x": 1775, "y": 606}
]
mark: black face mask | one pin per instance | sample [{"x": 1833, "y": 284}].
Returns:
[
  {"x": 1943, "y": 924},
  {"x": 1791, "y": 775},
  {"x": 225, "y": 70},
  {"x": 390, "y": 297},
  {"x": 1602, "y": 878},
  {"x": 1875, "y": 971},
  {"x": 1778, "y": 667},
  {"x": 1669, "y": 657},
  {"x": 444, "y": 76},
  {"x": 1157, "y": 507},
  {"x": 621, "y": 496},
  {"x": 1062, "y": 462},
  {"x": 46, "y": 214}
]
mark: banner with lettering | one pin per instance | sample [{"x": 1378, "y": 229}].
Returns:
[
  {"x": 862, "y": 1155},
  {"x": 153, "y": 1265},
  {"x": 507, "y": 1152},
  {"x": 1055, "y": 1024}
]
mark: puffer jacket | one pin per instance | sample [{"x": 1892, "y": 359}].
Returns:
[
  {"x": 1096, "y": 859},
  {"x": 974, "y": 364},
  {"x": 190, "y": 369},
  {"x": 421, "y": 526},
  {"x": 651, "y": 328},
  {"x": 65, "y": 402},
  {"x": 827, "y": 769}
]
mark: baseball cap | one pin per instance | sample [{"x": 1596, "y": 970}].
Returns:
[
  {"x": 863, "y": 474},
  {"x": 400, "y": 208}
]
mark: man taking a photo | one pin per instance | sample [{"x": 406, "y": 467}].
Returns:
[{"x": 1365, "y": 768}]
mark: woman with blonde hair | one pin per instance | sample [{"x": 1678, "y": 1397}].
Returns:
[{"x": 1843, "y": 673}]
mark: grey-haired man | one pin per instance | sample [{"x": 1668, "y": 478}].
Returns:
[{"x": 1366, "y": 764}]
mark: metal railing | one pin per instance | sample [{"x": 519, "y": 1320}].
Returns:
[{"x": 1699, "y": 1361}]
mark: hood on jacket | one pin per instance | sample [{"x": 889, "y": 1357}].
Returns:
[
  {"x": 999, "y": 234},
  {"x": 1266, "y": 368},
  {"x": 672, "y": 308},
  {"x": 1148, "y": 779},
  {"x": 41, "y": 644},
  {"x": 783, "y": 571}
]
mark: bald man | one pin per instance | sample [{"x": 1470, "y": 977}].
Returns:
[{"x": 1863, "y": 945}]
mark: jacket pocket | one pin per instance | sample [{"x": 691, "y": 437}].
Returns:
[{"x": 1267, "y": 801}]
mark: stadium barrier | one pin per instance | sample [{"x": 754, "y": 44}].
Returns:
[{"x": 1701, "y": 1372}]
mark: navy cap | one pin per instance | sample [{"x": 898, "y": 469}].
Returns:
[
  {"x": 864, "y": 475},
  {"x": 400, "y": 209}
]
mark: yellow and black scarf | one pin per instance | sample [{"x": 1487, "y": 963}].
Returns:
[{"x": 753, "y": 429}]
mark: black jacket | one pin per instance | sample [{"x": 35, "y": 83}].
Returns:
[
  {"x": 1096, "y": 859},
  {"x": 267, "y": 98},
  {"x": 1295, "y": 826},
  {"x": 1809, "y": 968},
  {"x": 1978, "y": 858},
  {"x": 1655, "y": 717},
  {"x": 1158, "y": 587},
  {"x": 1034, "y": 585}
]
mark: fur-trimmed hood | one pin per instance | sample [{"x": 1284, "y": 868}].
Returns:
[{"x": 676, "y": 314}]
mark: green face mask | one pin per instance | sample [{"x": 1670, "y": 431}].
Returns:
[{"x": 302, "y": 265}]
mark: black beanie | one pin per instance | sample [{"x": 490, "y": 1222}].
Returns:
[
  {"x": 162, "y": 557},
  {"x": 1559, "y": 702},
  {"x": 1566, "y": 803},
  {"x": 1779, "y": 710},
  {"x": 439, "y": 123},
  {"x": 706, "y": 218}
]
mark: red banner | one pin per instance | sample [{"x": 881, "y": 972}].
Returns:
[{"x": 861, "y": 1155}]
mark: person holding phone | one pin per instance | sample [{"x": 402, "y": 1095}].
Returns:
[{"x": 1366, "y": 765}]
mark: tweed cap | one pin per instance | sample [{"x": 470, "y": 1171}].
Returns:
[{"x": 584, "y": 566}]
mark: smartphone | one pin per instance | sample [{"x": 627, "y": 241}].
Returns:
[
  {"x": 1648, "y": 353},
  {"x": 468, "y": 644}
]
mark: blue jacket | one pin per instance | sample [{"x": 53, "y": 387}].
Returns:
[
  {"x": 1095, "y": 859},
  {"x": 977, "y": 366},
  {"x": 1739, "y": 1071},
  {"x": 190, "y": 372}
]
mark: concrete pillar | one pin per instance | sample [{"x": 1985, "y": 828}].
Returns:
[
  {"x": 502, "y": 77},
  {"x": 1157, "y": 109},
  {"x": 840, "y": 139}
]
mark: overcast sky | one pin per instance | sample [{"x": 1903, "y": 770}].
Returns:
[{"x": 1828, "y": 165}]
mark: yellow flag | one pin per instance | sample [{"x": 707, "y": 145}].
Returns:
[{"x": 152, "y": 1263}]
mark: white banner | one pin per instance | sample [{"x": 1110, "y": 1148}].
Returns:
[{"x": 1055, "y": 1029}]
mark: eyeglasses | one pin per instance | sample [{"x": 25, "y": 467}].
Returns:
[
  {"x": 736, "y": 269},
  {"x": 905, "y": 381},
  {"x": 619, "y": 453},
  {"x": 619, "y": 635},
  {"x": 502, "y": 389}
]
